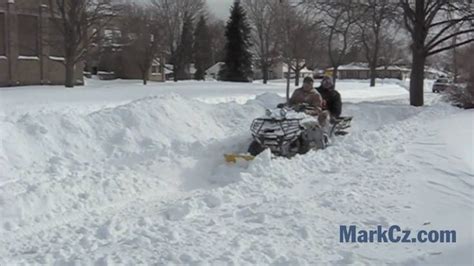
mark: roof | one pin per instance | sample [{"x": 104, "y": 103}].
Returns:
[
  {"x": 364, "y": 66},
  {"x": 304, "y": 70},
  {"x": 215, "y": 68},
  {"x": 435, "y": 71},
  {"x": 353, "y": 66},
  {"x": 156, "y": 62},
  {"x": 393, "y": 68},
  {"x": 168, "y": 68},
  {"x": 192, "y": 69}
]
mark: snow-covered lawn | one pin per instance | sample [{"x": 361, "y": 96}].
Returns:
[
  {"x": 100, "y": 94},
  {"x": 118, "y": 173}
]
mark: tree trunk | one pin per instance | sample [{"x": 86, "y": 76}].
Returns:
[
  {"x": 145, "y": 77},
  {"x": 373, "y": 74},
  {"x": 297, "y": 77},
  {"x": 375, "y": 60},
  {"x": 334, "y": 75},
  {"x": 455, "y": 64},
  {"x": 417, "y": 77},
  {"x": 69, "y": 82},
  {"x": 175, "y": 73},
  {"x": 265, "y": 73},
  {"x": 288, "y": 77}
]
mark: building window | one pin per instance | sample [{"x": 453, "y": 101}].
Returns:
[
  {"x": 2, "y": 35},
  {"x": 28, "y": 35},
  {"x": 55, "y": 39}
]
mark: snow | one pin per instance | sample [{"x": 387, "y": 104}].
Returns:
[
  {"x": 56, "y": 58},
  {"x": 22, "y": 57},
  {"x": 393, "y": 68},
  {"x": 99, "y": 94},
  {"x": 304, "y": 70},
  {"x": 105, "y": 73},
  {"x": 352, "y": 66},
  {"x": 118, "y": 173},
  {"x": 464, "y": 137}
]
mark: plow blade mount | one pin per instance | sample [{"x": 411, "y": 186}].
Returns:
[{"x": 233, "y": 158}]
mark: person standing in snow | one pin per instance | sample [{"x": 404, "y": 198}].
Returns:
[
  {"x": 308, "y": 95},
  {"x": 331, "y": 97}
]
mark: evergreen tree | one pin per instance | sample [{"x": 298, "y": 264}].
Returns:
[
  {"x": 184, "y": 53},
  {"x": 238, "y": 59},
  {"x": 202, "y": 51}
]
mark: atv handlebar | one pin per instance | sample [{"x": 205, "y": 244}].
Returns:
[{"x": 301, "y": 108}]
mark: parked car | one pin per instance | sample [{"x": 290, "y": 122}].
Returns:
[
  {"x": 441, "y": 84},
  {"x": 318, "y": 74}
]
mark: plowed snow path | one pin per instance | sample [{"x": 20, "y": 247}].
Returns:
[{"x": 144, "y": 183}]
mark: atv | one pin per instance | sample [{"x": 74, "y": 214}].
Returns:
[{"x": 291, "y": 130}]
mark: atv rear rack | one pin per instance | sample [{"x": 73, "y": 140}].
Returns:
[{"x": 339, "y": 125}]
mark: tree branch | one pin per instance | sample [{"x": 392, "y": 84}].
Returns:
[
  {"x": 449, "y": 47},
  {"x": 432, "y": 44}
]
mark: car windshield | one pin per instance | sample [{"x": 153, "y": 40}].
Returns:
[{"x": 442, "y": 81}]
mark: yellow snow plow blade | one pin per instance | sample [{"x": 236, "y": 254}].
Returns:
[{"x": 232, "y": 158}]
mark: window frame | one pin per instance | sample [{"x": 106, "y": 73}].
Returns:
[
  {"x": 35, "y": 52},
  {"x": 55, "y": 39}
]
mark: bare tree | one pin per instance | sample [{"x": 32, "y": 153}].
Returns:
[
  {"x": 432, "y": 24},
  {"x": 297, "y": 37},
  {"x": 339, "y": 19},
  {"x": 393, "y": 47},
  {"x": 286, "y": 14},
  {"x": 262, "y": 17},
  {"x": 463, "y": 95},
  {"x": 141, "y": 30},
  {"x": 466, "y": 63},
  {"x": 377, "y": 14},
  {"x": 306, "y": 36},
  {"x": 466, "y": 69},
  {"x": 173, "y": 13},
  {"x": 79, "y": 22}
]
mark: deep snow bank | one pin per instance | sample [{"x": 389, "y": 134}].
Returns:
[
  {"x": 149, "y": 123},
  {"x": 54, "y": 163},
  {"x": 144, "y": 183}
]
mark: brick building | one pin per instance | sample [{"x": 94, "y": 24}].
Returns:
[
  {"x": 30, "y": 48},
  {"x": 112, "y": 57}
]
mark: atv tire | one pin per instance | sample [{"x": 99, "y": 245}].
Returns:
[
  {"x": 303, "y": 146},
  {"x": 255, "y": 148}
]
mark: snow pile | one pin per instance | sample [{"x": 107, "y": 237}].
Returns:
[
  {"x": 144, "y": 182},
  {"x": 57, "y": 162}
]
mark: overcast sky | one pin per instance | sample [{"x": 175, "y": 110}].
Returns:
[{"x": 220, "y": 8}]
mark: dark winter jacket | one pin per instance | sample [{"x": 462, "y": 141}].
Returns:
[{"x": 333, "y": 100}]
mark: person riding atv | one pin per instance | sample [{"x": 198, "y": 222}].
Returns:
[
  {"x": 331, "y": 97},
  {"x": 308, "y": 95},
  {"x": 295, "y": 127}
]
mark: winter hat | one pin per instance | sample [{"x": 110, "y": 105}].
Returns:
[
  {"x": 308, "y": 80},
  {"x": 327, "y": 82}
]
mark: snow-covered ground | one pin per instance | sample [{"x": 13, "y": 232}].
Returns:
[{"x": 117, "y": 173}]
